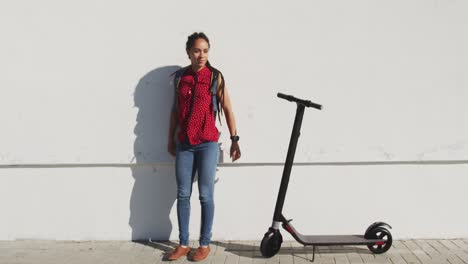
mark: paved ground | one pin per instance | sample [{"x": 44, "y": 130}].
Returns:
[{"x": 229, "y": 252}]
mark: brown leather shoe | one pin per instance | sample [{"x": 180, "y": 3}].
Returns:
[
  {"x": 201, "y": 253},
  {"x": 178, "y": 252}
]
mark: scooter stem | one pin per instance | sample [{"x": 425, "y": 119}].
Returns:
[{"x": 289, "y": 162}]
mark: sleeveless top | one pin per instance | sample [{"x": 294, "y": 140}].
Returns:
[{"x": 195, "y": 108}]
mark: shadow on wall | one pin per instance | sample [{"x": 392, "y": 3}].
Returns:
[{"x": 154, "y": 189}]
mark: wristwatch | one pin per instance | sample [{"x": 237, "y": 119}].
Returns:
[{"x": 235, "y": 138}]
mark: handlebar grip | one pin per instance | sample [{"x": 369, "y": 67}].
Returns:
[
  {"x": 300, "y": 101},
  {"x": 285, "y": 96}
]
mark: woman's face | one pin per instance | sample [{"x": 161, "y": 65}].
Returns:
[{"x": 198, "y": 54}]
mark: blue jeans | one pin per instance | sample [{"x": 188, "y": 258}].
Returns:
[{"x": 201, "y": 158}]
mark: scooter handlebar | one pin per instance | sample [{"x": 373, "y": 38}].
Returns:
[{"x": 300, "y": 101}]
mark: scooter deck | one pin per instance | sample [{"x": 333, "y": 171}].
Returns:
[
  {"x": 328, "y": 240},
  {"x": 335, "y": 240}
]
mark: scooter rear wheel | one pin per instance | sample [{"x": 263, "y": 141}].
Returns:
[
  {"x": 271, "y": 243},
  {"x": 380, "y": 233}
]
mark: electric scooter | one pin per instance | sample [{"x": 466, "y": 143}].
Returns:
[{"x": 377, "y": 236}]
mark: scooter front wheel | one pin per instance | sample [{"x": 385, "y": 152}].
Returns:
[{"x": 271, "y": 243}]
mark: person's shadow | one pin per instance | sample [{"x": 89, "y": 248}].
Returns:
[{"x": 154, "y": 189}]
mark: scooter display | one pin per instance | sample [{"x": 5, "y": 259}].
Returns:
[{"x": 377, "y": 237}]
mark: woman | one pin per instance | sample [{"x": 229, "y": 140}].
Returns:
[{"x": 197, "y": 150}]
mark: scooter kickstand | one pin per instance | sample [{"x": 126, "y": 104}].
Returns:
[{"x": 313, "y": 253}]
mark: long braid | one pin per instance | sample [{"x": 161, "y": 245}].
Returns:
[{"x": 221, "y": 87}]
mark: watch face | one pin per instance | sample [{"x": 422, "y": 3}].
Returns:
[{"x": 235, "y": 138}]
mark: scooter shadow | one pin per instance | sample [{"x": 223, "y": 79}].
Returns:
[{"x": 252, "y": 249}]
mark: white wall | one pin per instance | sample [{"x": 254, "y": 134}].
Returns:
[{"x": 86, "y": 96}]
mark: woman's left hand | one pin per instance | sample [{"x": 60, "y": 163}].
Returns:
[{"x": 235, "y": 152}]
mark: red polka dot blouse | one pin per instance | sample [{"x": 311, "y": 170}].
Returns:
[{"x": 195, "y": 108}]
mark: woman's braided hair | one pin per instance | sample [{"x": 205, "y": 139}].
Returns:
[{"x": 190, "y": 42}]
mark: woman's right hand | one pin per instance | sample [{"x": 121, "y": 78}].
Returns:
[{"x": 171, "y": 148}]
